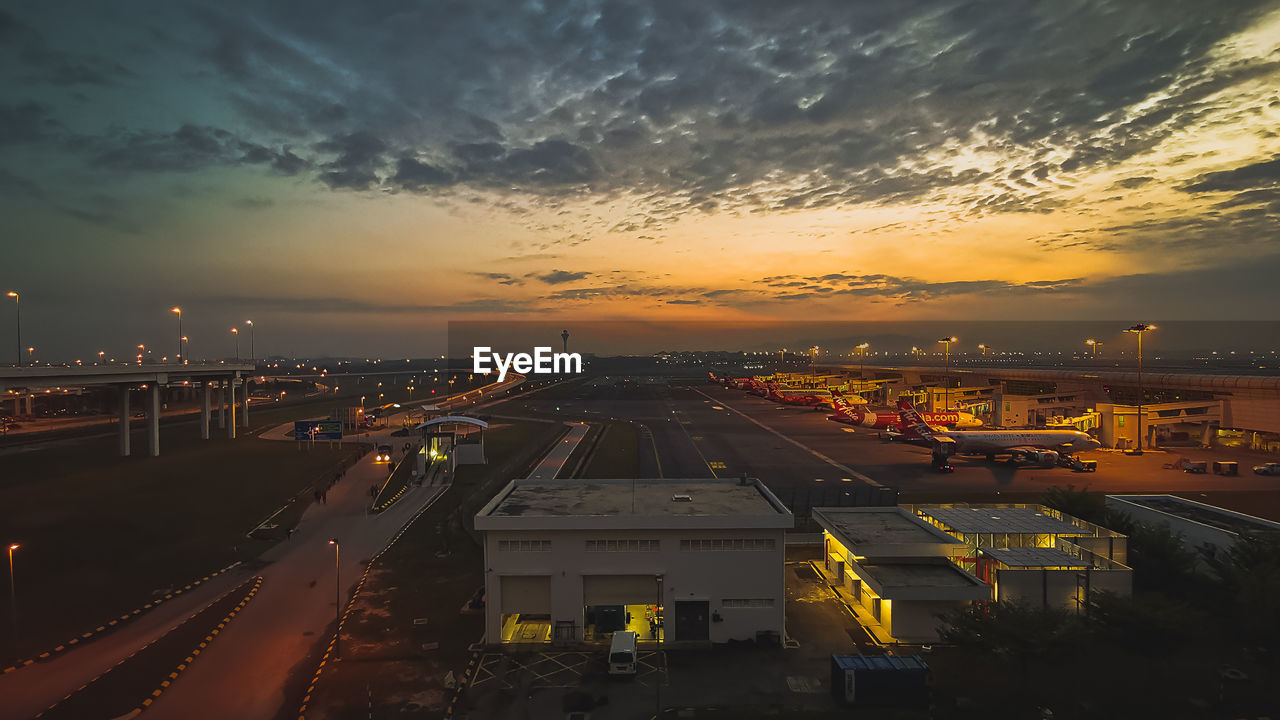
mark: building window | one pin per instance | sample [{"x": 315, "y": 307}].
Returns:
[
  {"x": 623, "y": 546},
  {"x": 524, "y": 546},
  {"x": 747, "y": 603},
  {"x": 726, "y": 544}
]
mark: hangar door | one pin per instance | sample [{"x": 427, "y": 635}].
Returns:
[
  {"x": 619, "y": 589},
  {"x": 526, "y": 594}
]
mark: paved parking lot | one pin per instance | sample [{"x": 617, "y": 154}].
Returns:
[{"x": 517, "y": 686}]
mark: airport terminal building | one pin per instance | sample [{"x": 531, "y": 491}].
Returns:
[{"x": 681, "y": 562}]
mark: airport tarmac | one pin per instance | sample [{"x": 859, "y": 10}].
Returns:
[{"x": 700, "y": 429}]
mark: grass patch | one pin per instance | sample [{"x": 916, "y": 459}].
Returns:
[
  {"x": 101, "y": 533},
  {"x": 429, "y": 574}
]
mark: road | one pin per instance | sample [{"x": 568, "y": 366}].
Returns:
[
  {"x": 274, "y": 635},
  {"x": 554, "y": 460}
]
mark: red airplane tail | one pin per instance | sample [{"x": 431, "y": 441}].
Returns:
[{"x": 912, "y": 424}]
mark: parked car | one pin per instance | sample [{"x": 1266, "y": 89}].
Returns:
[{"x": 1267, "y": 469}]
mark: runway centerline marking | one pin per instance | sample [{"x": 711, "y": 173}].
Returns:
[{"x": 798, "y": 444}]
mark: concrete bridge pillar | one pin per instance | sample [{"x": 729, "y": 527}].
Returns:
[
  {"x": 222, "y": 404},
  {"x": 153, "y": 420},
  {"x": 123, "y": 391},
  {"x": 231, "y": 408},
  {"x": 205, "y": 393}
]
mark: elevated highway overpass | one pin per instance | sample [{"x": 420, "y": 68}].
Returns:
[{"x": 18, "y": 383}]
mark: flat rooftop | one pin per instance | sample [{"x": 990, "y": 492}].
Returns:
[
  {"x": 1221, "y": 518},
  {"x": 1035, "y": 558},
  {"x": 635, "y": 503},
  {"x": 860, "y": 529},
  {"x": 999, "y": 521},
  {"x": 918, "y": 575}
]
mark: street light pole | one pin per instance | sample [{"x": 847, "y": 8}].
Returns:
[
  {"x": 236, "y": 334},
  {"x": 657, "y": 682},
  {"x": 1138, "y": 329},
  {"x": 946, "y": 394},
  {"x": 862, "y": 358},
  {"x": 17, "y": 309},
  {"x": 1093, "y": 345},
  {"x": 13, "y": 592},
  {"x": 253, "y": 358},
  {"x": 179, "y": 311},
  {"x": 337, "y": 600}
]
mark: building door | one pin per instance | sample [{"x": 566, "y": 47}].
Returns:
[{"x": 691, "y": 620}]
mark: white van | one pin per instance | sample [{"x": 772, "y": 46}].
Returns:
[{"x": 622, "y": 653}]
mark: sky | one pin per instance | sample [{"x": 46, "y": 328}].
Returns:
[{"x": 354, "y": 176}]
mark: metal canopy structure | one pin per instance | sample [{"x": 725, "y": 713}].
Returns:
[
  {"x": 1035, "y": 558},
  {"x": 462, "y": 419},
  {"x": 1000, "y": 521}
]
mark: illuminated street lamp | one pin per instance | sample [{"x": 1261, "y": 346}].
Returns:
[
  {"x": 17, "y": 309},
  {"x": 813, "y": 359},
  {"x": 235, "y": 332},
  {"x": 13, "y": 591},
  {"x": 1138, "y": 330},
  {"x": 1093, "y": 345},
  {"x": 983, "y": 348},
  {"x": 102, "y": 356},
  {"x": 31, "y": 353},
  {"x": 337, "y": 599},
  {"x": 862, "y": 357},
  {"x": 946, "y": 373},
  {"x": 180, "y": 337},
  {"x": 252, "y": 357}
]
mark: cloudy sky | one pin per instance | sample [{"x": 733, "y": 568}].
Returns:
[{"x": 354, "y": 175}]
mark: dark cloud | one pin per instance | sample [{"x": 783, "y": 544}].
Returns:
[
  {"x": 412, "y": 174},
  {"x": 498, "y": 277},
  {"x": 25, "y": 123},
  {"x": 718, "y": 107},
  {"x": 1254, "y": 175},
  {"x": 187, "y": 149},
  {"x": 253, "y": 203},
  {"x": 11, "y": 184},
  {"x": 360, "y": 155},
  {"x": 559, "y": 277},
  {"x": 26, "y": 50}
]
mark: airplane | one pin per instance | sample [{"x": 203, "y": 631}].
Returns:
[
  {"x": 1043, "y": 448},
  {"x": 807, "y": 398},
  {"x": 850, "y": 414}
]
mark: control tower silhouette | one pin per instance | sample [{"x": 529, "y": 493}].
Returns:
[{"x": 565, "y": 337}]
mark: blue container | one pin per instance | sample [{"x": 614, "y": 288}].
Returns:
[{"x": 880, "y": 680}]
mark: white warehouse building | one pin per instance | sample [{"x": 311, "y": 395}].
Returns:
[{"x": 677, "y": 561}]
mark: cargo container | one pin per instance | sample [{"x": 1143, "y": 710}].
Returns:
[{"x": 880, "y": 680}]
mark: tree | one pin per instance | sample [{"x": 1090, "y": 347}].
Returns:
[
  {"x": 1250, "y": 573},
  {"x": 1150, "y": 625},
  {"x": 1018, "y": 634},
  {"x": 1087, "y": 506},
  {"x": 1160, "y": 559}
]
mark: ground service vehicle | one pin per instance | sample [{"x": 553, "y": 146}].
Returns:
[
  {"x": 622, "y": 653},
  {"x": 1267, "y": 469},
  {"x": 384, "y": 454}
]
